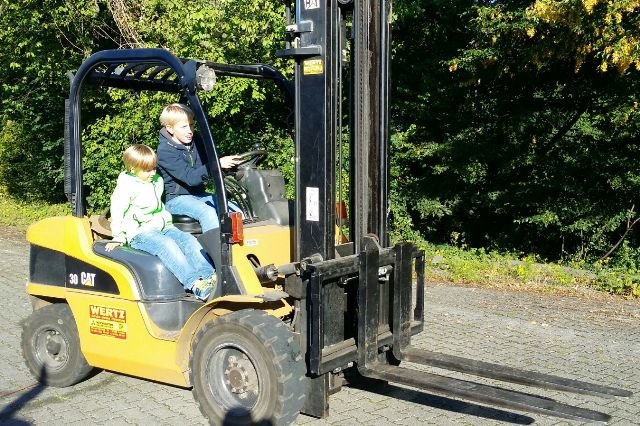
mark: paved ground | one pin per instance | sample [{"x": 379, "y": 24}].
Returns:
[{"x": 579, "y": 338}]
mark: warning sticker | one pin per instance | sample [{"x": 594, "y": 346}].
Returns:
[
  {"x": 312, "y": 66},
  {"x": 313, "y": 204},
  {"x": 311, "y": 4},
  {"x": 106, "y": 321}
]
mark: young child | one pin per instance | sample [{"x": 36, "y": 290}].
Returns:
[
  {"x": 138, "y": 218},
  {"x": 183, "y": 168}
]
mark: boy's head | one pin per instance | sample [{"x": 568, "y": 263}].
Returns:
[
  {"x": 177, "y": 119},
  {"x": 172, "y": 114},
  {"x": 139, "y": 159}
]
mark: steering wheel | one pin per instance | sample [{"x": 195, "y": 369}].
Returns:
[{"x": 251, "y": 159}]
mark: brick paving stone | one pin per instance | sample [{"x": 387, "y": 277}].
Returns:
[
  {"x": 362, "y": 418},
  {"x": 303, "y": 420},
  {"x": 185, "y": 408},
  {"x": 136, "y": 416},
  {"x": 349, "y": 422},
  {"x": 175, "y": 420},
  {"x": 103, "y": 415},
  {"x": 588, "y": 339}
]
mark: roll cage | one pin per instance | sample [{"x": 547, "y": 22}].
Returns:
[{"x": 155, "y": 70}]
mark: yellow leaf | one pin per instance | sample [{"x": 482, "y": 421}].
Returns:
[{"x": 589, "y": 5}]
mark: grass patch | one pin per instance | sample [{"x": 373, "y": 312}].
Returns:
[
  {"x": 19, "y": 214},
  {"x": 490, "y": 269}
]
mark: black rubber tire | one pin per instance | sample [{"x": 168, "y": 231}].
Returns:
[
  {"x": 51, "y": 347},
  {"x": 246, "y": 368}
]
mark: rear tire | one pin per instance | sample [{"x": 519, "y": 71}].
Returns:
[
  {"x": 51, "y": 347},
  {"x": 247, "y": 369}
]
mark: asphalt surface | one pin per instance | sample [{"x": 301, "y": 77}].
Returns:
[{"x": 596, "y": 340}]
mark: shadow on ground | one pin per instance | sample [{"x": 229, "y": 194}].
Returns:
[{"x": 439, "y": 402}]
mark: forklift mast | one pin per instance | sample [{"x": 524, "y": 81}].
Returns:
[
  {"x": 341, "y": 53},
  {"x": 319, "y": 42}
]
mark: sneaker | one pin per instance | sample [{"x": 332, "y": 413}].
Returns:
[{"x": 202, "y": 289}]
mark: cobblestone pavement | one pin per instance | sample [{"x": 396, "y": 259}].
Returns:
[{"x": 579, "y": 338}]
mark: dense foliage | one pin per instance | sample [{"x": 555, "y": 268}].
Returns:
[
  {"x": 522, "y": 133},
  {"x": 39, "y": 42},
  {"x": 515, "y": 124}
]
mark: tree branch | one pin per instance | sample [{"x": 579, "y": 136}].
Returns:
[{"x": 630, "y": 226}]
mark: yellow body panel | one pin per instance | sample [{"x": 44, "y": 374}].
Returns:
[
  {"x": 46, "y": 290},
  {"x": 115, "y": 332},
  {"x": 72, "y": 236},
  {"x": 269, "y": 244},
  {"x": 113, "y": 336}
]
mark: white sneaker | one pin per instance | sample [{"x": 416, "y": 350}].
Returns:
[{"x": 202, "y": 289}]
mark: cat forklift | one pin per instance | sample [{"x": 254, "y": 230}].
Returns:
[{"x": 299, "y": 306}]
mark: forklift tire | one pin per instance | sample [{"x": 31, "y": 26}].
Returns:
[
  {"x": 247, "y": 369},
  {"x": 51, "y": 347}
]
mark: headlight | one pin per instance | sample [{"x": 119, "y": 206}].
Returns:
[{"x": 206, "y": 78}]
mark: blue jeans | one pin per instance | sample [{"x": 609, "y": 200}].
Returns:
[
  {"x": 200, "y": 207},
  {"x": 180, "y": 252}
]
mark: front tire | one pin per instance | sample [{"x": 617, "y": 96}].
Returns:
[
  {"x": 51, "y": 347},
  {"x": 247, "y": 369}
]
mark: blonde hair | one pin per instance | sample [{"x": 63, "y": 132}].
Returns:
[
  {"x": 139, "y": 157},
  {"x": 173, "y": 113}
]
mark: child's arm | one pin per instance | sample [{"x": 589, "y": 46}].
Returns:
[{"x": 230, "y": 161}]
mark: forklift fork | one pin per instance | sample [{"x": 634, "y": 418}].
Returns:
[{"x": 369, "y": 364}]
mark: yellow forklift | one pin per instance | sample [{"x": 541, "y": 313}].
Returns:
[{"x": 296, "y": 308}]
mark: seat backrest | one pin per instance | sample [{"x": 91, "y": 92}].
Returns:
[{"x": 100, "y": 225}]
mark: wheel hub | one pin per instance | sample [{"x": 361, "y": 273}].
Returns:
[
  {"x": 240, "y": 376},
  {"x": 52, "y": 349},
  {"x": 53, "y": 343}
]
